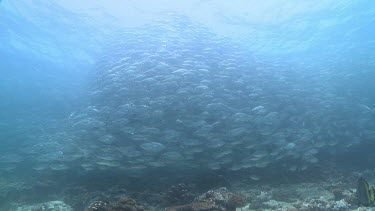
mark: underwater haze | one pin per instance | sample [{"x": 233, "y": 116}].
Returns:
[{"x": 165, "y": 105}]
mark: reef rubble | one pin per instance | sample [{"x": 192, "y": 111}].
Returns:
[
  {"x": 327, "y": 194},
  {"x": 220, "y": 199},
  {"x": 47, "y": 206}
]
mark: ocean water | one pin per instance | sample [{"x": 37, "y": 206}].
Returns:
[{"x": 161, "y": 101}]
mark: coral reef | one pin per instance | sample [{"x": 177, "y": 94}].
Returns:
[
  {"x": 223, "y": 198},
  {"x": 197, "y": 206},
  {"x": 125, "y": 204},
  {"x": 77, "y": 197},
  {"x": 97, "y": 206},
  {"x": 236, "y": 200},
  {"x": 180, "y": 194},
  {"x": 122, "y": 204},
  {"x": 341, "y": 205},
  {"x": 331, "y": 194},
  {"x": 219, "y": 199},
  {"x": 47, "y": 206},
  {"x": 334, "y": 193}
]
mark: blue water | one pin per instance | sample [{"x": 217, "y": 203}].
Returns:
[{"x": 91, "y": 92}]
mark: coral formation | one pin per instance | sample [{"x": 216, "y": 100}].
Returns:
[
  {"x": 125, "y": 204},
  {"x": 223, "y": 198},
  {"x": 47, "y": 206},
  {"x": 122, "y": 204},
  {"x": 341, "y": 205},
  {"x": 180, "y": 194},
  {"x": 196, "y": 206},
  {"x": 77, "y": 197},
  {"x": 97, "y": 206},
  {"x": 236, "y": 200},
  {"x": 219, "y": 199},
  {"x": 334, "y": 194}
]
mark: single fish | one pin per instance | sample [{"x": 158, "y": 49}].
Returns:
[{"x": 365, "y": 194}]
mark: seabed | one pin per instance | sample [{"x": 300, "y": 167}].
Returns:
[{"x": 330, "y": 189}]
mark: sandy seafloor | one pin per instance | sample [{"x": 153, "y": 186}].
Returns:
[{"x": 332, "y": 189}]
